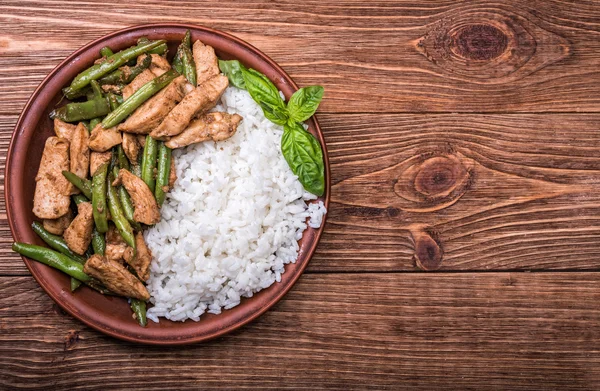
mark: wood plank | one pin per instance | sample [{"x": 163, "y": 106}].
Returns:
[
  {"x": 513, "y": 192},
  {"x": 443, "y": 56},
  {"x": 417, "y": 331}
]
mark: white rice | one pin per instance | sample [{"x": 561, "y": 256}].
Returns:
[{"x": 231, "y": 222}]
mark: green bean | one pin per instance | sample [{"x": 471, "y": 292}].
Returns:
[
  {"x": 75, "y": 283},
  {"x": 95, "y": 122},
  {"x": 187, "y": 59},
  {"x": 138, "y": 97},
  {"x": 177, "y": 63},
  {"x": 87, "y": 125},
  {"x": 162, "y": 173},
  {"x": 139, "y": 309},
  {"x": 112, "y": 99},
  {"x": 119, "y": 76},
  {"x": 149, "y": 162},
  {"x": 122, "y": 158},
  {"x": 90, "y": 95},
  {"x": 85, "y": 185},
  {"x": 52, "y": 258},
  {"x": 106, "y": 52},
  {"x": 79, "y": 198},
  {"x": 118, "y": 217},
  {"x": 75, "y": 94},
  {"x": 112, "y": 62},
  {"x": 99, "y": 198},
  {"x": 128, "y": 209},
  {"x": 98, "y": 242},
  {"x": 56, "y": 242},
  {"x": 98, "y": 93},
  {"x": 160, "y": 49},
  {"x": 73, "y": 112}
]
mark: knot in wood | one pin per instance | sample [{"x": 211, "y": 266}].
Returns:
[
  {"x": 433, "y": 182},
  {"x": 479, "y": 42},
  {"x": 428, "y": 251},
  {"x": 493, "y": 46},
  {"x": 438, "y": 176}
]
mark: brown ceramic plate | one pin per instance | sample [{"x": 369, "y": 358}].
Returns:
[{"x": 112, "y": 315}]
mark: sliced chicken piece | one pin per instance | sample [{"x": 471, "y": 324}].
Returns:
[
  {"x": 144, "y": 204},
  {"x": 138, "y": 82},
  {"x": 172, "y": 174},
  {"x": 159, "y": 65},
  {"x": 63, "y": 129},
  {"x": 111, "y": 88},
  {"x": 207, "y": 64},
  {"x": 115, "y": 277},
  {"x": 115, "y": 245},
  {"x": 51, "y": 198},
  {"x": 79, "y": 234},
  {"x": 79, "y": 152},
  {"x": 102, "y": 139},
  {"x": 140, "y": 262},
  {"x": 131, "y": 147},
  {"x": 154, "y": 110},
  {"x": 97, "y": 159},
  {"x": 202, "y": 99},
  {"x": 58, "y": 226},
  {"x": 141, "y": 139},
  {"x": 212, "y": 126}
]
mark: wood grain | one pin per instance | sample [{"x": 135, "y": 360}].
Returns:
[
  {"x": 496, "y": 331},
  {"x": 478, "y": 192},
  {"x": 370, "y": 56},
  {"x": 463, "y": 136}
]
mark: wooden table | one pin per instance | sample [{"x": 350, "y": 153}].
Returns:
[{"x": 463, "y": 239}]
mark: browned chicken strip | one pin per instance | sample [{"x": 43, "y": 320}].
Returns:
[
  {"x": 152, "y": 112},
  {"x": 211, "y": 126},
  {"x": 79, "y": 153},
  {"x": 138, "y": 82},
  {"x": 115, "y": 245},
  {"x": 207, "y": 64},
  {"x": 131, "y": 147},
  {"x": 63, "y": 129},
  {"x": 115, "y": 277},
  {"x": 141, "y": 139},
  {"x": 111, "y": 88},
  {"x": 79, "y": 234},
  {"x": 97, "y": 159},
  {"x": 102, "y": 139},
  {"x": 142, "y": 259},
  {"x": 51, "y": 198},
  {"x": 202, "y": 99},
  {"x": 58, "y": 226},
  {"x": 144, "y": 204},
  {"x": 172, "y": 174},
  {"x": 159, "y": 65}
]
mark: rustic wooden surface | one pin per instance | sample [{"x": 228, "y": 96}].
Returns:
[{"x": 462, "y": 246}]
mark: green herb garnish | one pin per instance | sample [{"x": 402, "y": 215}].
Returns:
[{"x": 300, "y": 149}]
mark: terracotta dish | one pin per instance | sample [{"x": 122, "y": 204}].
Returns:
[{"x": 112, "y": 315}]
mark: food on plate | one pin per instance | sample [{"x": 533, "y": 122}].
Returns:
[{"x": 182, "y": 186}]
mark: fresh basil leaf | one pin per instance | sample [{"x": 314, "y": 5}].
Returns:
[
  {"x": 274, "y": 114},
  {"x": 262, "y": 89},
  {"x": 303, "y": 154},
  {"x": 233, "y": 69},
  {"x": 304, "y": 103}
]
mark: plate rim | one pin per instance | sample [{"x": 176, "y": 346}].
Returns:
[{"x": 33, "y": 266}]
